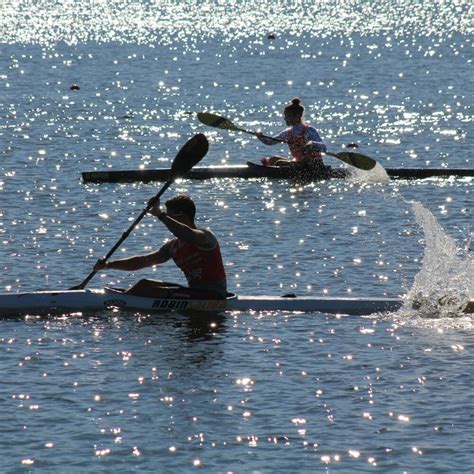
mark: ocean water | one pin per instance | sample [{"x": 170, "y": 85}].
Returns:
[{"x": 250, "y": 392}]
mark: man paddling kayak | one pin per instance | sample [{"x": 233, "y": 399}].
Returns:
[
  {"x": 195, "y": 251},
  {"x": 303, "y": 140}
]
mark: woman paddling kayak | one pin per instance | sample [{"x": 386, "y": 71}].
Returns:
[{"x": 303, "y": 140}]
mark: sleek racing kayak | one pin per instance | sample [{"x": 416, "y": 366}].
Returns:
[
  {"x": 252, "y": 170},
  {"x": 90, "y": 300},
  {"x": 247, "y": 171}
]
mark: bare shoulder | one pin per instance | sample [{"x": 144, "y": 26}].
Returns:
[
  {"x": 312, "y": 133},
  {"x": 208, "y": 240}
]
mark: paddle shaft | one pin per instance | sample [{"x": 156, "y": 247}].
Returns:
[
  {"x": 190, "y": 154},
  {"x": 335, "y": 155},
  {"x": 263, "y": 136},
  {"x": 125, "y": 235},
  {"x": 280, "y": 141},
  {"x": 350, "y": 158},
  {"x": 238, "y": 129},
  {"x": 355, "y": 159}
]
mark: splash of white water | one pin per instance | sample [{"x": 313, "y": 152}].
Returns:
[
  {"x": 445, "y": 282},
  {"x": 375, "y": 175}
]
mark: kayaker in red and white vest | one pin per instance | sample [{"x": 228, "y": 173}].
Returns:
[
  {"x": 195, "y": 251},
  {"x": 303, "y": 140}
]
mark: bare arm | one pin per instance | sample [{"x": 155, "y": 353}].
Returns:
[
  {"x": 136, "y": 263},
  {"x": 314, "y": 140},
  {"x": 282, "y": 137},
  {"x": 198, "y": 237}
]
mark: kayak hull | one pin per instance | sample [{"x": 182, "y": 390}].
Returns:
[
  {"x": 94, "y": 300},
  {"x": 251, "y": 170},
  {"x": 69, "y": 301}
]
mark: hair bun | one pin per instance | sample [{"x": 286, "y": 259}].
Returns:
[{"x": 295, "y": 108}]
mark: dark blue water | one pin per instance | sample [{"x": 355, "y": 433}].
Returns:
[{"x": 250, "y": 392}]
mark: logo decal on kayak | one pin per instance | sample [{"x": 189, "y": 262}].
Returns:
[
  {"x": 170, "y": 304},
  {"x": 115, "y": 303}
]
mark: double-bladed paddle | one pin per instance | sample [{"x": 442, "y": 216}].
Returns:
[
  {"x": 357, "y": 160},
  {"x": 192, "y": 152}
]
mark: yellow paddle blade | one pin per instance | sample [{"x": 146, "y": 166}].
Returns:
[
  {"x": 357, "y": 160},
  {"x": 213, "y": 120}
]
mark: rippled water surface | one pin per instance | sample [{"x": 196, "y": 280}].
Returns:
[{"x": 250, "y": 392}]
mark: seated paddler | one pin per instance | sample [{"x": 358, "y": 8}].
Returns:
[
  {"x": 194, "y": 250},
  {"x": 304, "y": 141}
]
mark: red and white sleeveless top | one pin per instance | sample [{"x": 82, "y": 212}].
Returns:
[
  {"x": 201, "y": 267},
  {"x": 297, "y": 142}
]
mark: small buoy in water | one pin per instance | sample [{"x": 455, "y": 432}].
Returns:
[
  {"x": 352, "y": 145},
  {"x": 75, "y": 87},
  {"x": 271, "y": 36}
]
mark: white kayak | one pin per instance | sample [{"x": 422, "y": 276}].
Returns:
[{"x": 91, "y": 300}]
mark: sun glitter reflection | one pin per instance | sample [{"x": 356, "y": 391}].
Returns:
[
  {"x": 403, "y": 418},
  {"x": 246, "y": 382}
]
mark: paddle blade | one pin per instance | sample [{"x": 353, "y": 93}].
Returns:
[
  {"x": 357, "y": 160},
  {"x": 213, "y": 120},
  {"x": 191, "y": 153}
]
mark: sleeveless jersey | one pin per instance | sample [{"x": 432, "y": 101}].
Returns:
[
  {"x": 297, "y": 142},
  {"x": 201, "y": 267}
]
